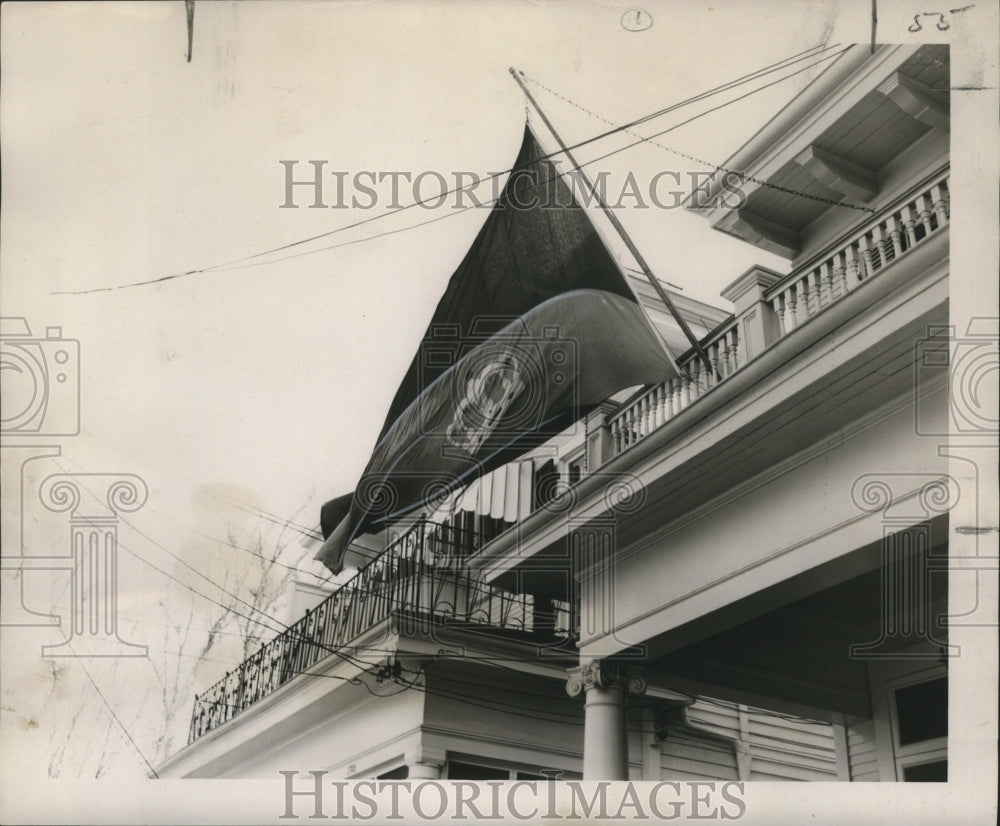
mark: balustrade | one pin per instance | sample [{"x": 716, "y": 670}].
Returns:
[
  {"x": 419, "y": 579},
  {"x": 795, "y": 299},
  {"x": 662, "y": 402},
  {"x": 807, "y": 292}
]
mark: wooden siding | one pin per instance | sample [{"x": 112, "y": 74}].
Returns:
[
  {"x": 779, "y": 747},
  {"x": 689, "y": 755},
  {"x": 862, "y": 753}
]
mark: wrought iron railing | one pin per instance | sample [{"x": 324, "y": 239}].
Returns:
[{"x": 420, "y": 580}]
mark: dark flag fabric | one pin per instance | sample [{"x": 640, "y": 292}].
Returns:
[{"x": 536, "y": 326}]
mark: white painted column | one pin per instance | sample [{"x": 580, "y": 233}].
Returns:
[
  {"x": 425, "y": 762},
  {"x": 605, "y": 734},
  {"x": 424, "y": 771}
]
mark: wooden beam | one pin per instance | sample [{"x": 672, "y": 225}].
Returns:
[
  {"x": 918, "y": 100},
  {"x": 762, "y": 232},
  {"x": 856, "y": 182},
  {"x": 759, "y": 686}
]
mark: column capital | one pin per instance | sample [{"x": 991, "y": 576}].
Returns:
[
  {"x": 602, "y": 674},
  {"x": 425, "y": 755}
]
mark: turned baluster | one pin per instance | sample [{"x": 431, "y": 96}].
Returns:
[
  {"x": 867, "y": 258},
  {"x": 924, "y": 208},
  {"x": 895, "y": 235},
  {"x": 909, "y": 224},
  {"x": 713, "y": 358},
  {"x": 694, "y": 368},
  {"x": 686, "y": 391},
  {"x": 801, "y": 301},
  {"x": 733, "y": 350},
  {"x": 778, "y": 305},
  {"x": 792, "y": 317},
  {"x": 825, "y": 283},
  {"x": 852, "y": 273},
  {"x": 882, "y": 245},
  {"x": 839, "y": 285},
  {"x": 939, "y": 200},
  {"x": 676, "y": 390}
]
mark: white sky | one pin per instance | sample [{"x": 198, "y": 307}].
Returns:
[{"x": 121, "y": 163}]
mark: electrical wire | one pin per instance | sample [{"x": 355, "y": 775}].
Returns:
[
  {"x": 257, "y": 513},
  {"x": 111, "y": 710},
  {"x": 742, "y": 175},
  {"x": 225, "y": 266},
  {"x": 233, "y": 545},
  {"x": 550, "y": 178}
]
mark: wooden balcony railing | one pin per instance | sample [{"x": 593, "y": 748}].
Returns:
[
  {"x": 421, "y": 580},
  {"x": 895, "y": 232},
  {"x": 660, "y": 403},
  {"x": 794, "y": 299}
]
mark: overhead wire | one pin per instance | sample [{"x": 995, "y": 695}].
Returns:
[
  {"x": 232, "y": 264},
  {"x": 742, "y": 175},
  {"x": 569, "y": 171},
  {"x": 117, "y": 719},
  {"x": 338, "y": 651},
  {"x": 208, "y": 490},
  {"x": 235, "y": 546},
  {"x": 809, "y": 53}
]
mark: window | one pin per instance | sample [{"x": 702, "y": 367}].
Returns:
[
  {"x": 922, "y": 711},
  {"x": 462, "y": 770},
  {"x": 574, "y": 467},
  {"x": 910, "y": 711},
  {"x": 471, "y": 771},
  {"x": 936, "y": 772},
  {"x": 919, "y": 713},
  {"x": 545, "y": 485}
]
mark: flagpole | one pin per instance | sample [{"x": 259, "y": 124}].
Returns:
[{"x": 662, "y": 293}]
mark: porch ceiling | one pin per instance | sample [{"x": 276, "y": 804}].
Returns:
[
  {"x": 846, "y": 161},
  {"x": 871, "y": 135},
  {"x": 800, "y": 651}
]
